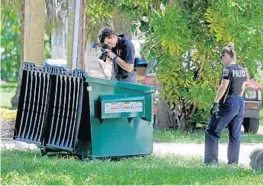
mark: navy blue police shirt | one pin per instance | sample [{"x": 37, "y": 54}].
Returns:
[
  {"x": 125, "y": 50},
  {"x": 236, "y": 76}
]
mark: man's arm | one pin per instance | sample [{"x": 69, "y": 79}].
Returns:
[
  {"x": 123, "y": 64},
  {"x": 222, "y": 89}
]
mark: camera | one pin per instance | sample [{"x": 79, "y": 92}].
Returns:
[{"x": 104, "y": 53}]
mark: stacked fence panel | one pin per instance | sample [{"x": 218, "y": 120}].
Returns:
[
  {"x": 33, "y": 104},
  {"x": 49, "y": 107},
  {"x": 66, "y": 111}
]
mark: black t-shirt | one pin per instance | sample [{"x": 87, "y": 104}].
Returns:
[
  {"x": 125, "y": 50},
  {"x": 237, "y": 75}
]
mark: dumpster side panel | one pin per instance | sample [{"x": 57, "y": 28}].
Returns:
[{"x": 119, "y": 136}]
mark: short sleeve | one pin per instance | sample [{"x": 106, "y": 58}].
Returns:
[
  {"x": 129, "y": 52},
  {"x": 226, "y": 73}
]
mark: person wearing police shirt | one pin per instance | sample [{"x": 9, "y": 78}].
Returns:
[
  {"x": 227, "y": 110},
  {"x": 122, "y": 53}
]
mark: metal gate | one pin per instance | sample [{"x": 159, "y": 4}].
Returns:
[{"x": 49, "y": 107}]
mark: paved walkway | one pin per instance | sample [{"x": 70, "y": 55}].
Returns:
[
  {"x": 192, "y": 149},
  {"x": 11, "y": 144}
]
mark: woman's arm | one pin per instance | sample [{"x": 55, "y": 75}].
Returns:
[{"x": 221, "y": 90}]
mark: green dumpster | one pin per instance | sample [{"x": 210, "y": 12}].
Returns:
[
  {"x": 120, "y": 118},
  {"x": 65, "y": 110}
]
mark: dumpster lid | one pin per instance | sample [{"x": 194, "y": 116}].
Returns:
[{"x": 142, "y": 88}]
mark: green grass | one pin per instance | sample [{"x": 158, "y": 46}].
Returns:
[
  {"x": 198, "y": 137},
  {"x": 7, "y": 114},
  {"x": 261, "y": 116},
  {"x": 24, "y": 168},
  {"x": 8, "y": 90}
]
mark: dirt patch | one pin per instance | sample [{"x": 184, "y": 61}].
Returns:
[{"x": 7, "y": 129}]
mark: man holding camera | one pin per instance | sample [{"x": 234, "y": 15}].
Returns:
[{"x": 121, "y": 51}]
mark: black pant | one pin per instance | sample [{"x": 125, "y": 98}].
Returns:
[{"x": 230, "y": 114}]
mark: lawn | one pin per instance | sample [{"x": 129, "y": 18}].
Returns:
[
  {"x": 29, "y": 167},
  {"x": 7, "y": 92},
  {"x": 24, "y": 168},
  {"x": 198, "y": 137}
]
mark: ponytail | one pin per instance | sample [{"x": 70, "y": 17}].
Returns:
[{"x": 230, "y": 50}]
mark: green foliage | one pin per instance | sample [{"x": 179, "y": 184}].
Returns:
[
  {"x": 10, "y": 43},
  {"x": 6, "y": 114},
  {"x": 187, "y": 38},
  {"x": 241, "y": 22},
  {"x": 30, "y": 168},
  {"x": 99, "y": 14},
  {"x": 7, "y": 91},
  {"x": 11, "y": 28},
  {"x": 47, "y": 46}
]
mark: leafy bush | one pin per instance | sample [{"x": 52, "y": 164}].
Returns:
[{"x": 11, "y": 44}]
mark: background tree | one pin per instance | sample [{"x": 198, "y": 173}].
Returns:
[
  {"x": 32, "y": 35},
  {"x": 32, "y": 27},
  {"x": 186, "y": 39},
  {"x": 10, "y": 40}
]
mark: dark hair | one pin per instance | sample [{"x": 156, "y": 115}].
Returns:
[
  {"x": 230, "y": 50},
  {"x": 105, "y": 32}
]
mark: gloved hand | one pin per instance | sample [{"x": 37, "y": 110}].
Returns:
[{"x": 214, "y": 108}]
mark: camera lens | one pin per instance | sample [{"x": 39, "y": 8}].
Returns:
[{"x": 103, "y": 56}]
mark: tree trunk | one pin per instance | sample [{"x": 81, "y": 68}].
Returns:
[
  {"x": 70, "y": 35},
  {"x": 34, "y": 31},
  {"x": 164, "y": 119},
  {"x": 78, "y": 39},
  {"x": 82, "y": 39},
  {"x": 32, "y": 37}
]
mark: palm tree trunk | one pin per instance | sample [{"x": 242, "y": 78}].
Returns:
[
  {"x": 32, "y": 37},
  {"x": 34, "y": 24}
]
